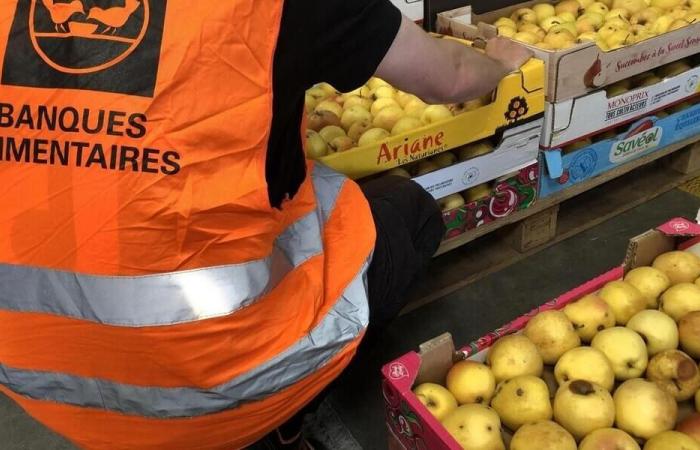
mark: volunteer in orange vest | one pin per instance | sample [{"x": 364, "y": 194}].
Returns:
[{"x": 173, "y": 274}]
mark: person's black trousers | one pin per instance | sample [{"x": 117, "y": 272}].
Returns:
[{"x": 409, "y": 229}]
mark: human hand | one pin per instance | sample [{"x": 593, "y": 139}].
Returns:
[{"x": 508, "y": 53}]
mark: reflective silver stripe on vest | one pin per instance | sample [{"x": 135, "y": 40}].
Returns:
[
  {"x": 341, "y": 326},
  {"x": 177, "y": 297}
]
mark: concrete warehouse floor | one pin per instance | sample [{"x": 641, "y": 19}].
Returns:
[{"x": 353, "y": 418}]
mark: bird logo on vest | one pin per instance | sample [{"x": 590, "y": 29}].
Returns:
[{"x": 99, "y": 33}]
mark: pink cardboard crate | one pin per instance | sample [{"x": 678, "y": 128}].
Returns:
[{"x": 410, "y": 424}]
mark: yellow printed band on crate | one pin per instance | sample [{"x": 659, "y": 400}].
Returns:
[{"x": 519, "y": 96}]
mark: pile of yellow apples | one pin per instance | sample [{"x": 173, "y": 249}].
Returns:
[
  {"x": 611, "y": 24},
  {"x": 609, "y": 371},
  {"x": 337, "y": 122}
]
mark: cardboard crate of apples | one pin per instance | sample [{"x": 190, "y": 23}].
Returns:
[
  {"x": 621, "y": 103},
  {"x": 612, "y": 364},
  {"x": 377, "y": 127},
  {"x": 590, "y": 44}
]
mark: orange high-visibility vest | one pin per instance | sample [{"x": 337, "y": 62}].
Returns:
[{"x": 150, "y": 296}]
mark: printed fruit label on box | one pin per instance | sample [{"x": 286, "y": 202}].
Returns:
[{"x": 643, "y": 138}]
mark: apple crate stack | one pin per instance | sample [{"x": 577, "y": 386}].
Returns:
[
  {"x": 479, "y": 159},
  {"x": 610, "y": 364},
  {"x": 622, "y": 77}
]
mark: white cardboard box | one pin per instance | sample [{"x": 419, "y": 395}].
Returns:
[
  {"x": 574, "y": 119},
  {"x": 519, "y": 148},
  {"x": 413, "y": 9}
]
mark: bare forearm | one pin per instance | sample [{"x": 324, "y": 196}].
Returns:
[
  {"x": 442, "y": 70},
  {"x": 474, "y": 74}
]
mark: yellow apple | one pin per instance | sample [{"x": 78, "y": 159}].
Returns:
[
  {"x": 672, "y": 440},
  {"x": 650, "y": 282},
  {"x": 589, "y": 22},
  {"x": 406, "y": 124},
  {"x": 340, "y": 144},
  {"x": 415, "y": 109},
  {"x": 526, "y": 37},
  {"x": 439, "y": 401},
  {"x": 376, "y": 82},
  {"x": 543, "y": 11},
  {"x": 399, "y": 172},
  {"x": 567, "y": 17},
  {"x": 570, "y": 6},
  {"x": 505, "y": 22},
  {"x": 425, "y": 167},
  {"x": 319, "y": 119},
  {"x": 354, "y": 114},
  {"x": 356, "y": 100},
  {"x": 382, "y": 103},
  {"x": 560, "y": 38},
  {"x": 388, "y": 117},
  {"x": 589, "y": 36},
  {"x": 679, "y": 12},
  {"x": 586, "y": 3},
  {"x": 317, "y": 93},
  {"x": 643, "y": 409},
  {"x": 444, "y": 159},
  {"x": 598, "y": 7},
  {"x": 647, "y": 16},
  {"x": 624, "y": 300},
  {"x": 310, "y": 103},
  {"x": 476, "y": 427},
  {"x": 373, "y": 136},
  {"x": 436, "y": 113},
  {"x": 358, "y": 129},
  {"x": 617, "y": 13},
  {"x": 451, "y": 202},
  {"x": 676, "y": 373},
  {"x": 471, "y": 382},
  {"x": 512, "y": 356},
  {"x": 608, "y": 439},
  {"x": 589, "y": 315},
  {"x": 662, "y": 24},
  {"x": 542, "y": 435},
  {"x": 658, "y": 330},
  {"x": 331, "y": 132},
  {"x": 547, "y": 23},
  {"x": 689, "y": 333},
  {"x": 680, "y": 300},
  {"x": 632, "y": 6},
  {"x": 625, "y": 350},
  {"x": 478, "y": 192},
  {"x": 666, "y": 4},
  {"x": 694, "y": 5},
  {"x": 315, "y": 146},
  {"x": 532, "y": 28},
  {"x": 553, "y": 335},
  {"x": 479, "y": 148},
  {"x": 331, "y": 106},
  {"x": 507, "y": 31},
  {"x": 585, "y": 363},
  {"x": 582, "y": 407},
  {"x": 384, "y": 92},
  {"x": 522, "y": 400},
  {"x": 524, "y": 15},
  {"x": 673, "y": 69}
]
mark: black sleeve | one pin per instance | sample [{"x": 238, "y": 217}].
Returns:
[
  {"x": 340, "y": 42},
  {"x": 337, "y": 41}
]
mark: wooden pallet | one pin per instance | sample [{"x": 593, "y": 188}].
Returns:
[{"x": 473, "y": 255}]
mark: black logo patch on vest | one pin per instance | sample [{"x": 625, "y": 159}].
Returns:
[{"x": 98, "y": 45}]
